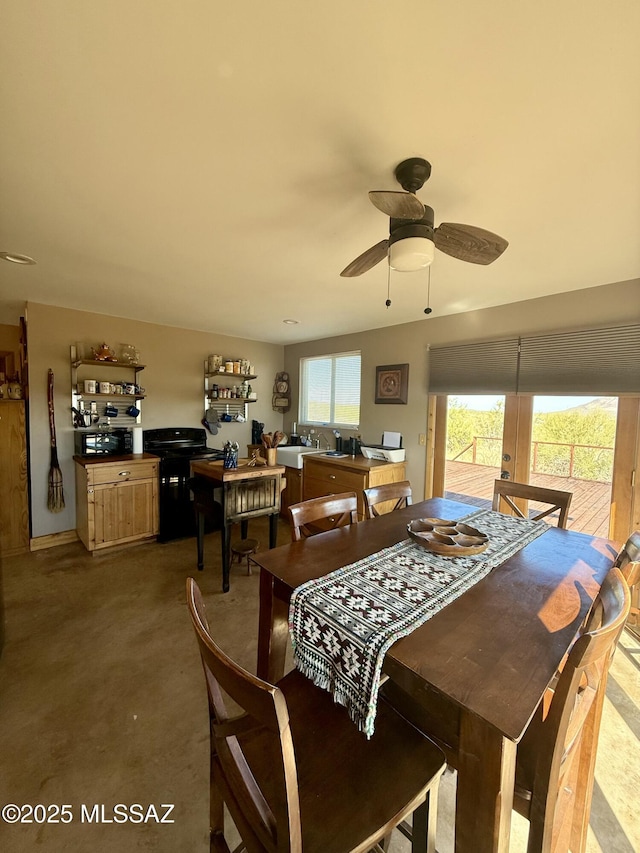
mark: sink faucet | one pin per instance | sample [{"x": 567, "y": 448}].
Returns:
[{"x": 326, "y": 441}]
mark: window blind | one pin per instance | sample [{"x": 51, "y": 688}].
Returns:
[
  {"x": 592, "y": 361},
  {"x": 330, "y": 390},
  {"x": 596, "y": 361},
  {"x": 480, "y": 368}
]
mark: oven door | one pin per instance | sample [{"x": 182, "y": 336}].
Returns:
[{"x": 177, "y": 515}]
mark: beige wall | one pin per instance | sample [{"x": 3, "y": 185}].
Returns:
[
  {"x": 596, "y": 307},
  {"x": 173, "y": 379},
  {"x": 174, "y": 358}
]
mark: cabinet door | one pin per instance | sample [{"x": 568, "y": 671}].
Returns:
[
  {"x": 14, "y": 506},
  {"x": 125, "y": 511}
]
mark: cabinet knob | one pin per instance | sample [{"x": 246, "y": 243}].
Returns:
[
  {"x": 89, "y": 491},
  {"x": 332, "y": 476},
  {"x": 124, "y": 473}
]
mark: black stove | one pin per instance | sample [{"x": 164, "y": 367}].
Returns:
[{"x": 177, "y": 447}]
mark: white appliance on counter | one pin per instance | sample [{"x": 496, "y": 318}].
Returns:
[{"x": 391, "y": 449}]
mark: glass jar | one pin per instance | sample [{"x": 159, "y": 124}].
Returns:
[{"x": 129, "y": 354}]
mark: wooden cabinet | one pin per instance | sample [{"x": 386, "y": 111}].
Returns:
[
  {"x": 292, "y": 493},
  {"x": 14, "y": 494},
  {"x": 116, "y": 500},
  {"x": 326, "y": 475}
]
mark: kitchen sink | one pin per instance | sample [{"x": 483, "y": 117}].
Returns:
[{"x": 292, "y": 456}]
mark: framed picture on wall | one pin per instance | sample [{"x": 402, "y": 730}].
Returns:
[{"x": 392, "y": 383}]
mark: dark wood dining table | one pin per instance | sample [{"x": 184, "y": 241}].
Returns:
[{"x": 474, "y": 674}]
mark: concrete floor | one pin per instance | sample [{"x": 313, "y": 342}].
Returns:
[{"x": 102, "y": 702}]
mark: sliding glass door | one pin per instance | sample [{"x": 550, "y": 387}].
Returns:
[
  {"x": 589, "y": 446},
  {"x": 474, "y": 429},
  {"x": 572, "y": 449}
]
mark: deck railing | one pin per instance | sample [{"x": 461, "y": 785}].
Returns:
[{"x": 556, "y": 464}]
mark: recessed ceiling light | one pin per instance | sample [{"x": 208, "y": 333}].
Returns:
[
  {"x": 14, "y": 258},
  {"x": 291, "y": 322}
]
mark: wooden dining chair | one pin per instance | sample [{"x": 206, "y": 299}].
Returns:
[
  {"x": 628, "y": 561},
  {"x": 630, "y": 551},
  {"x": 556, "y": 756},
  {"x": 325, "y": 513},
  {"x": 506, "y": 490},
  {"x": 399, "y": 493},
  {"x": 294, "y": 771}
]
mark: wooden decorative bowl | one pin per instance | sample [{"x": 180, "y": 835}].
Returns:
[{"x": 447, "y": 538}]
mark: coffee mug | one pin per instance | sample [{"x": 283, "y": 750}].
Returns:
[
  {"x": 110, "y": 411},
  {"x": 133, "y": 411},
  {"x": 89, "y": 386},
  {"x": 105, "y": 387}
]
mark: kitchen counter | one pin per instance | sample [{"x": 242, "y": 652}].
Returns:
[
  {"x": 350, "y": 463},
  {"x": 330, "y": 475},
  {"x": 106, "y": 458}
]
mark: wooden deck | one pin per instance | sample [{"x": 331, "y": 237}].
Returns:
[{"x": 589, "y": 512}]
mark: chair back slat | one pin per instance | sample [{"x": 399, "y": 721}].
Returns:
[
  {"x": 328, "y": 512},
  {"x": 249, "y": 749},
  {"x": 504, "y": 491},
  {"x": 631, "y": 573},
  {"x": 374, "y": 496}
]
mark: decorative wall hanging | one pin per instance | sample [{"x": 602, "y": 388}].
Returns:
[
  {"x": 392, "y": 383},
  {"x": 281, "y": 401}
]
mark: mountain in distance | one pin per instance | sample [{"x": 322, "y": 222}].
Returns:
[{"x": 605, "y": 404}]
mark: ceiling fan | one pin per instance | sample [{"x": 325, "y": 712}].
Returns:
[{"x": 412, "y": 237}]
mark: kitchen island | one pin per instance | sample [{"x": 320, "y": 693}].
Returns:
[{"x": 245, "y": 492}]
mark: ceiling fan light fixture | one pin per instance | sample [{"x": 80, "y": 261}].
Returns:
[{"x": 411, "y": 254}]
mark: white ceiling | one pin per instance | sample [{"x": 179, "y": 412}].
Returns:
[{"x": 206, "y": 164}]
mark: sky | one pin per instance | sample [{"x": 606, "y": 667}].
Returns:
[{"x": 484, "y": 403}]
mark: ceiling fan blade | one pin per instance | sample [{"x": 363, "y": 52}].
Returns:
[
  {"x": 399, "y": 205},
  {"x": 367, "y": 260},
  {"x": 468, "y": 243}
]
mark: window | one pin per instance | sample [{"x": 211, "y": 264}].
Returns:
[{"x": 330, "y": 390}]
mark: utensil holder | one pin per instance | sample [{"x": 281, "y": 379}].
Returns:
[
  {"x": 230, "y": 458},
  {"x": 270, "y": 453}
]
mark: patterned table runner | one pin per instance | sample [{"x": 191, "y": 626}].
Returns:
[{"x": 342, "y": 625}]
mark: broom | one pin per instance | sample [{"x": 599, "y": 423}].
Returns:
[{"x": 55, "y": 497}]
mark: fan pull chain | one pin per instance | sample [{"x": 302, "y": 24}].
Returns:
[
  {"x": 388, "y": 302},
  {"x": 428, "y": 309}
]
